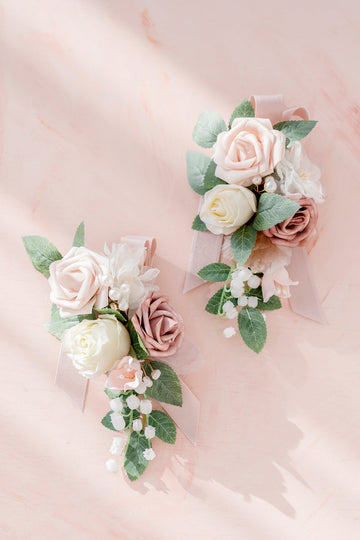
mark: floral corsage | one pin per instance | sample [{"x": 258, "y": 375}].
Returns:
[
  {"x": 260, "y": 194},
  {"x": 113, "y": 321}
]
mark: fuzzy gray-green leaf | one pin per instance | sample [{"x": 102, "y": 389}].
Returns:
[
  {"x": 295, "y": 130},
  {"x": 273, "y": 209},
  {"x": 208, "y": 127},
  {"x": 197, "y": 164},
  {"x": 243, "y": 110},
  {"x": 242, "y": 243},
  {"x": 41, "y": 252}
]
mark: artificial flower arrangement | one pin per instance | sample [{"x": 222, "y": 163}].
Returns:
[
  {"x": 260, "y": 192},
  {"x": 112, "y": 320}
]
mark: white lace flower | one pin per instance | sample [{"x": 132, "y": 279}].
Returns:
[
  {"x": 116, "y": 446},
  {"x": 298, "y": 176},
  {"x": 129, "y": 281},
  {"x": 137, "y": 425},
  {"x": 112, "y": 466},
  {"x": 150, "y": 432},
  {"x": 149, "y": 454},
  {"x": 145, "y": 406},
  {"x": 229, "y": 332}
]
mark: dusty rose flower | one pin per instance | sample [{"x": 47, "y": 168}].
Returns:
[
  {"x": 159, "y": 326},
  {"x": 296, "y": 230},
  {"x": 250, "y": 148}
]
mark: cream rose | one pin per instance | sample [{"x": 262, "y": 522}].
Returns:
[
  {"x": 95, "y": 346},
  {"x": 77, "y": 282},
  {"x": 227, "y": 207},
  {"x": 250, "y": 148}
]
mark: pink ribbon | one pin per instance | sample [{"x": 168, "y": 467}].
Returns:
[
  {"x": 76, "y": 386},
  {"x": 206, "y": 247}
]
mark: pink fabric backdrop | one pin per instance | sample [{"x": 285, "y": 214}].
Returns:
[{"x": 97, "y": 104}]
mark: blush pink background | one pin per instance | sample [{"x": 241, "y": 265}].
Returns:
[{"x": 97, "y": 105}]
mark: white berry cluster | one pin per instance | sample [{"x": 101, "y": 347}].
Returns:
[{"x": 241, "y": 277}]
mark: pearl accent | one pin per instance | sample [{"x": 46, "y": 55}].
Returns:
[{"x": 270, "y": 184}]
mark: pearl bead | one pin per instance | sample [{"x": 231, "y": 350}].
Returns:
[
  {"x": 124, "y": 288},
  {"x": 270, "y": 184},
  {"x": 257, "y": 180},
  {"x": 114, "y": 294}
]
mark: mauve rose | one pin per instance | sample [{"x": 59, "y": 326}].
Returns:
[
  {"x": 159, "y": 326},
  {"x": 296, "y": 230}
]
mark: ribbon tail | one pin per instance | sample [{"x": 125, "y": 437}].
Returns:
[
  {"x": 205, "y": 249},
  {"x": 304, "y": 299},
  {"x": 186, "y": 417},
  {"x": 73, "y": 384}
]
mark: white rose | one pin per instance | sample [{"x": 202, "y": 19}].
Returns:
[
  {"x": 95, "y": 346},
  {"x": 77, "y": 282},
  {"x": 227, "y": 207}
]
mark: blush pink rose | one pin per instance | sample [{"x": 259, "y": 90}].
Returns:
[
  {"x": 297, "y": 230},
  {"x": 250, "y": 148},
  {"x": 127, "y": 375},
  {"x": 159, "y": 326},
  {"x": 77, "y": 282}
]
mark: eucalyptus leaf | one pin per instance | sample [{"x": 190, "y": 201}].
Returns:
[
  {"x": 273, "y": 209},
  {"x": 79, "y": 238},
  {"x": 135, "y": 463},
  {"x": 208, "y": 127},
  {"x": 197, "y": 164},
  {"x": 167, "y": 388},
  {"x": 41, "y": 252},
  {"x": 57, "y": 325},
  {"x": 165, "y": 429},
  {"x": 242, "y": 243},
  {"x": 295, "y": 130},
  {"x": 252, "y": 328},
  {"x": 215, "y": 272},
  {"x": 243, "y": 110},
  {"x": 198, "y": 224}
]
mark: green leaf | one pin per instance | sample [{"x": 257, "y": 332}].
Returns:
[
  {"x": 242, "y": 243},
  {"x": 136, "y": 341},
  {"x": 243, "y": 110},
  {"x": 273, "y": 209},
  {"x": 215, "y": 272},
  {"x": 109, "y": 311},
  {"x": 165, "y": 429},
  {"x": 41, "y": 252},
  {"x": 198, "y": 224},
  {"x": 106, "y": 421},
  {"x": 129, "y": 416},
  {"x": 210, "y": 179},
  {"x": 196, "y": 165},
  {"x": 295, "y": 130},
  {"x": 272, "y": 304},
  {"x": 252, "y": 328},
  {"x": 208, "y": 127},
  {"x": 79, "y": 238},
  {"x": 135, "y": 463},
  {"x": 112, "y": 395},
  {"x": 167, "y": 387},
  {"x": 57, "y": 325},
  {"x": 216, "y": 302}
]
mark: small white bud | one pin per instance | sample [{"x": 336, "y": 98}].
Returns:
[
  {"x": 252, "y": 301},
  {"x": 117, "y": 421},
  {"x": 229, "y": 332},
  {"x": 116, "y": 404},
  {"x": 141, "y": 388},
  {"x": 253, "y": 282},
  {"x": 145, "y": 406},
  {"x": 147, "y": 381},
  {"x": 149, "y": 432},
  {"x": 149, "y": 454},
  {"x": 243, "y": 301},
  {"x": 133, "y": 402},
  {"x": 116, "y": 446},
  {"x": 137, "y": 425},
  {"x": 112, "y": 466},
  {"x": 156, "y": 374}
]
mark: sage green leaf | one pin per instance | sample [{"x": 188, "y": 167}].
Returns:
[
  {"x": 198, "y": 224},
  {"x": 216, "y": 302},
  {"x": 295, "y": 130},
  {"x": 208, "y": 127},
  {"x": 112, "y": 395},
  {"x": 215, "y": 272},
  {"x": 57, "y": 325},
  {"x": 273, "y": 209},
  {"x": 106, "y": 421},
  {"x": 210, "y": 179},
  {"x": 252, "y": 328},
  {"x": 129, "y": 416},
  {"x": 197, "y": 164},
  {"x": 243, "y": 110},
  {"x": 272, "y": 304},
  {"x": 167, "y": 387},
  {"x": 135, "y": 463},
  {"x": 165, "y": 429},
  {"x": 136, "y": 342},
  {"x": 109, "y": 311},
  {"x": 41, "y": 252},
  {"x": 79, "y": 238},
  {"x": 242, "y": 243}
]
